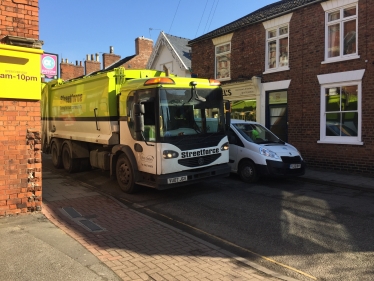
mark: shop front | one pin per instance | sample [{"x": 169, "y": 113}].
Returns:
[{"x": 244, "y": 97}]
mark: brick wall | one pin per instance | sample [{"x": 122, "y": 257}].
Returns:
[
  {"x": 307, "y": 31},
  {"x": 19, "y": 18},
  {"x": 20, "y": 157},
  {"x": 20, "y": 154}
]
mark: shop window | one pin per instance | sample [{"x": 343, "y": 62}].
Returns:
[
  {"x": 341, "y": 33},
  {"x": 223, "y": 58},
  {"x": 243, "y": 110}
]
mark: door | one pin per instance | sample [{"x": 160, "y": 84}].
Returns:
[{"x": 277, "y": 120}]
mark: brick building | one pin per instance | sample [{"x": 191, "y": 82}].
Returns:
[
  {"x": 303, "y": 69},
  {"x": 143, "y": 49},
  {"x": 20, "y": 154}
]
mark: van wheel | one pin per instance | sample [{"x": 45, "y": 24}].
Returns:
[
  {"x": 125, "y": 175},
  {"x": 247, "y": 171},
  {"x": 71, "y": 165},
  {"x": 56, "y": 158}
]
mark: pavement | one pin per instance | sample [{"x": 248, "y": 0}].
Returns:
[{"x": 81, "y": 234}]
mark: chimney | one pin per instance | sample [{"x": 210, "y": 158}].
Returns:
[
  {"x": 143, "y": 46},
  {"x": 69, "y": 71},
  {"x": 91, "y": 65},
  {"x": 109, "y": 59},
  {"x": 144, "y": 49}
]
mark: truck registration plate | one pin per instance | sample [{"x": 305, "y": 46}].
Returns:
[
  {"x": 295, "y": 166},
  {"x": 177, "y": 179}
]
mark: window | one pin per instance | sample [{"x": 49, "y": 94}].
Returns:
[
  {"x": 341, "y": 108},
  {"x": 223, "y": 58},
  {"x": 341, "y": 33},
  {"x": 277, "y": 48}
]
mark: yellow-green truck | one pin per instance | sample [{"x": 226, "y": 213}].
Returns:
[{"x": 145, "y": 126}]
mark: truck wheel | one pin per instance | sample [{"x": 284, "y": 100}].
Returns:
[
  {"x": 125, "y": 176},
  {"x": 56, "y": 159},
  {"x": 71, "y": 165},
  {"x": 247, "y": 171}
]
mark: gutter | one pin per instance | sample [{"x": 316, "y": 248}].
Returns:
[{"x": 190, "y": 43}]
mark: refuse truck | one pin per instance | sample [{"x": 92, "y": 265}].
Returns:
[{"x": 147, "y": 127}]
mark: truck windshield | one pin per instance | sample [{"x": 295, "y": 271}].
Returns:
[
  {"x": 182, "y": 113},
  {"x": 256, "y": 133}
]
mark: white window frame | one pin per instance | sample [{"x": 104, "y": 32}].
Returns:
[
  {"x": 276, "y": 38},
  {"x": 271, "y": 25},
  {"x": 340, "y": 79},
  {"x": 219, "y": 41},
  {"x": 334, "y": 6},
  {"x": 219, "y": 55}
]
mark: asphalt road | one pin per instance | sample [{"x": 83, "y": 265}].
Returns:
[{"x": 305, "y": 230}]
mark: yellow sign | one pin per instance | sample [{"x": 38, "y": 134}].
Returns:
[{"x": 20, "y": 72}]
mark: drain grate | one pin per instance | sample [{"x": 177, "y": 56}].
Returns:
[
  {"x": 82, "y": 221},
  {"x": 72, "y": 212},
  {"x": 91, "y": 225}
]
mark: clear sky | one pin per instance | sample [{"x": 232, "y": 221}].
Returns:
[{"x": 74, "y": 28}]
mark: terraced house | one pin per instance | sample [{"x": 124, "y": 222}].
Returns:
[{"x": 304, "y": 69}]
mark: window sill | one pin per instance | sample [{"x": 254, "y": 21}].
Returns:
[
  {"x": 332, "y": 60},
  {"x": 341, "y": 142},
  {"x": 279, "y": 69}
]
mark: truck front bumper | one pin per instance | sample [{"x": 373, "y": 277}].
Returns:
[{"x": 193, "y": 176}]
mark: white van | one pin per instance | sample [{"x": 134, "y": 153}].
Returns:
[{"x": 255, "y": 151}]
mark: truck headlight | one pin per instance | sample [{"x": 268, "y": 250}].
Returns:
[
  {"x": 225, "y": 146},
  {"x": 169, "y": 154},
  {"x": 268, "y": 153}
]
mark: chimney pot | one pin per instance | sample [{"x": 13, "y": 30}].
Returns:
[
  {"x": 87, "y": 57},
  {"x": 92, "y": 57},
  {"x": 111, "y": 50},
  {"x": 97, "y": 57}
]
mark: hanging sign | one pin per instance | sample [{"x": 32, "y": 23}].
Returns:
[{"x": 49, "y": 64}]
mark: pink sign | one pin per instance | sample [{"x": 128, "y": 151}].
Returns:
[{"x": 49, "y": 65}]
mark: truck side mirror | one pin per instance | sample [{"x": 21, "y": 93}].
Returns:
[{"x": 139, "y": 117}]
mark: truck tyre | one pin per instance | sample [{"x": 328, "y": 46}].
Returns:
[
  {"x": 125, "y": 174},
  {"x": 71, "y": 165},
  {"x": 247, "y": 171},
  {"x": 56, "y": 158}
]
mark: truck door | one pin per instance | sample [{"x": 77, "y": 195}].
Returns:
[{"x": 146, "y": 155}]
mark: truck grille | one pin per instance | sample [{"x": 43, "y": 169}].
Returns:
[{"x": 199, "y": 161}]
